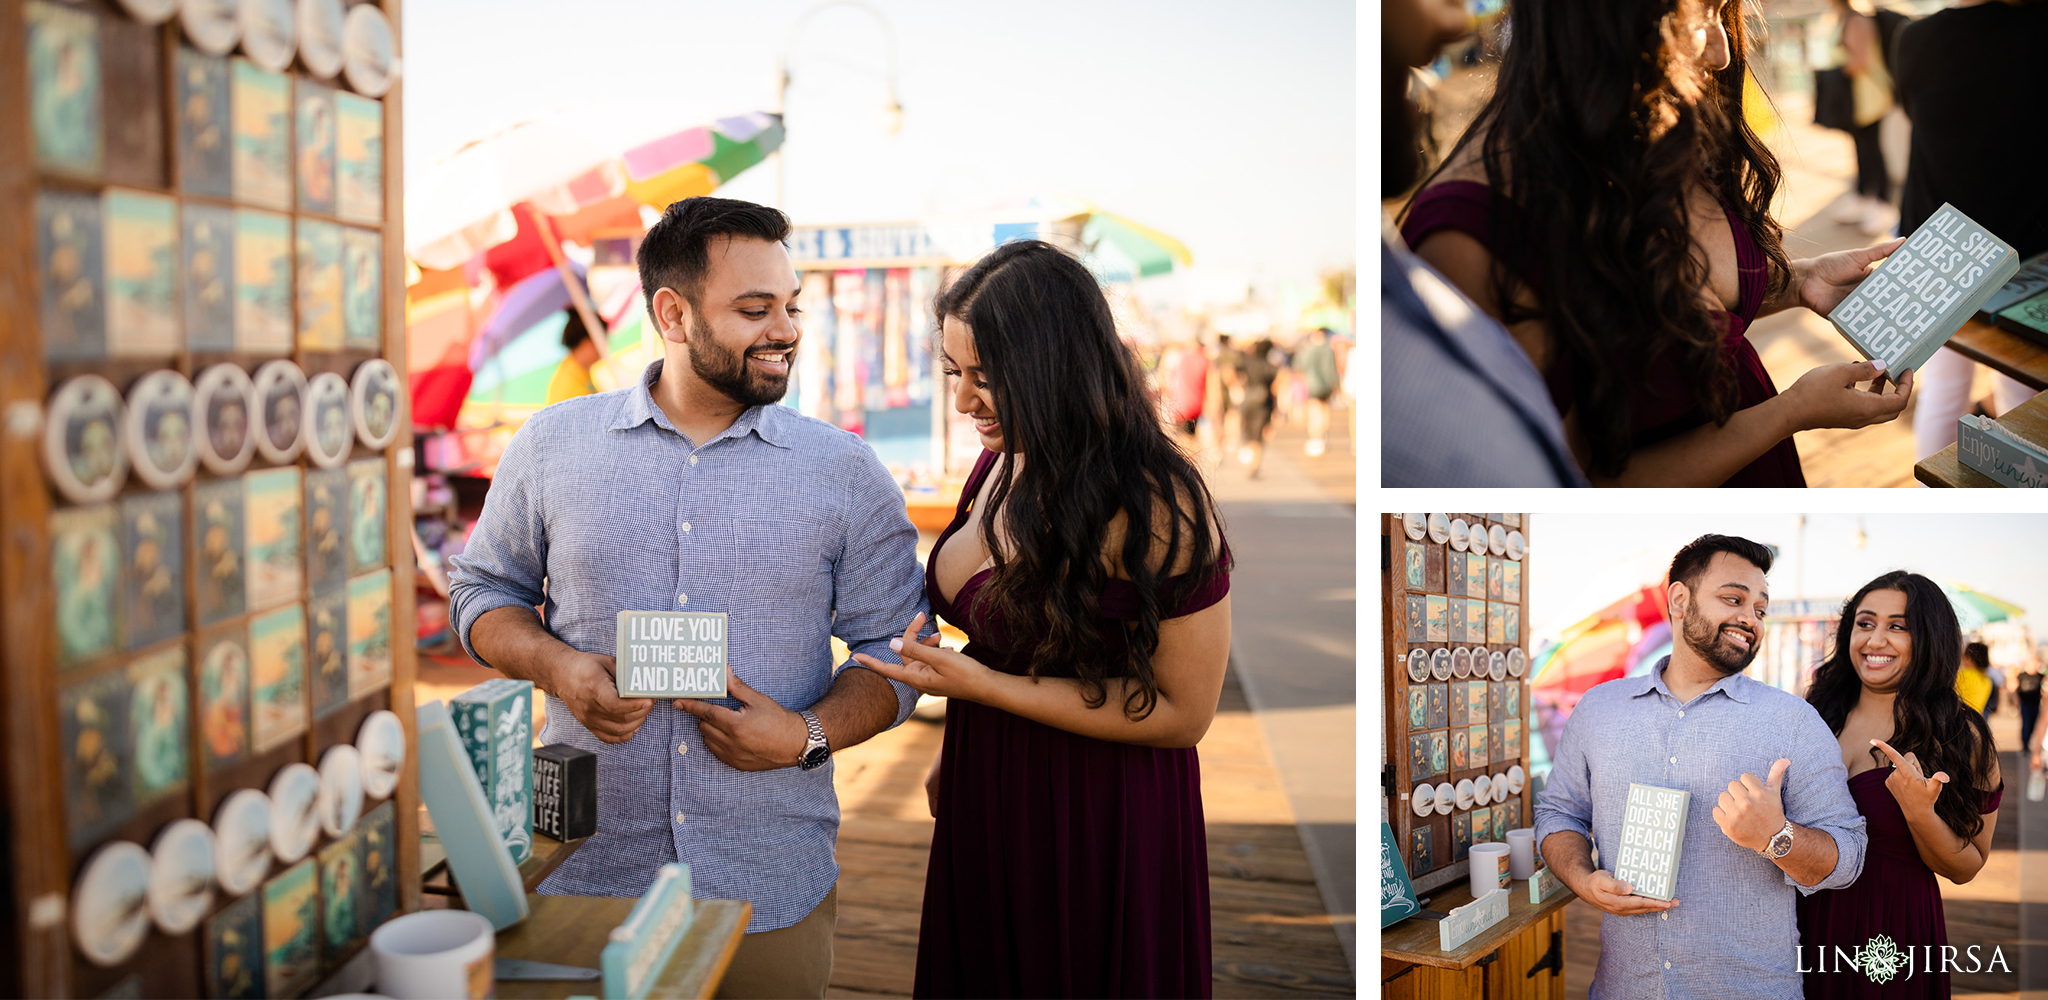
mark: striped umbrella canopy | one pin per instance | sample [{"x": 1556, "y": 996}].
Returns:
[
  {"x": 1141, "y": 250},
  {"x": 1976, "y": 609}
]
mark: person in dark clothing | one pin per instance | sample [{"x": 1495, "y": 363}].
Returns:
[
  {"x": 1255, "y": 375},
  {"x": 2027, "y": 688}
]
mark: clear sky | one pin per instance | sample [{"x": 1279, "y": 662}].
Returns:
[
  {"x": 1579, "y": 564},
  {"x": 1231, "y": 126}
]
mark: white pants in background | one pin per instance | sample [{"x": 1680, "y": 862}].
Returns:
[{"x": 1941, "y": 394}]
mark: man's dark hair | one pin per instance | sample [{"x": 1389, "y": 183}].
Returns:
[
  {"x": 574, "y": 333},
  {"x": 1979, "y": 654},
  {"x": 1692, "y": 560},
  {"x": 677, "y": 249}
]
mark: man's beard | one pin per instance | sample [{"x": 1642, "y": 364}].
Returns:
[
  {"x": 727, "y": 371},
  {"x": 1706, "y": 639}
]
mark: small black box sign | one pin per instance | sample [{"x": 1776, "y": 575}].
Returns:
[{"x": 564, "y": 792}]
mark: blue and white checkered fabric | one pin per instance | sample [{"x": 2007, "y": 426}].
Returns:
[
  {"x": 1735, "y": 932},
  {"x": 787, "y": 524}
]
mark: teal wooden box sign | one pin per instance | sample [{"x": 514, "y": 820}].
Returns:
[
  {"x": 671, "y": 654},
  {"x": 495, "y": 721},
  {"x": 640, "y": 948},
  {"x": 1467, "y": 921}
]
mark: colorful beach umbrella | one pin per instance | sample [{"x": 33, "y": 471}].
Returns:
[
  {"x": 1981, "y": 606},
  {"x": 1148, "y": 251}
]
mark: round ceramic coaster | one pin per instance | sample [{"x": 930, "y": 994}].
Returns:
[
  {"x": 225, "y": 398},
  {"x": 1515, "y": 545},
  {"x": 373, "y": 402},
  {"x": 1461, "y": 534},
  {"x": 1418, "y": 665},
  {"x": 1497, "y": 540},
  {"x": 212, "y": 25},
  {"x": 1464, "y": 793},
  {"x": 341, "y": 789},
  {"x": 1518, "y": 662},
  {"x": 151, "y": 11},
  {"x": 158, "y": 429},
  {"x": 1446, "y": 798},
  {"x": 110, "y": 903},
  {"x": 1422, "y": 799},
  {"x": 82, "y": 450},
  {"x": 381, "y": 741},
  {"x": 320, "y": 36},
  {"x": 369, "y": 54},
  {"x": 1515, "y": 780},
  {"x": 294, "y": 823},
  {"x": 181, "y": 876},
  {"x": 1497, "y": 665},
  {"x": 241, "y": 841},
  {"x": 1482, "y": 790},
  {"x": 1440, "y": 664},
  {"x": 327, "y": 425},
  {"x": 1415, "y": 526},
  {"x": 281, "y": 401},
  {"x": 268, "y": 34},
  {"x": 1439, "y": 528},
  {"x": 1461, "y": 663},
  {"x": 1500, "y": 787}
]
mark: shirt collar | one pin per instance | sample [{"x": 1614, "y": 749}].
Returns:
[
  {"x": 1733, "y": 685},
  {"x": 766, "y": 422}
]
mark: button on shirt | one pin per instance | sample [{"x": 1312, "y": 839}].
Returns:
[
  {"x": 1735, "y": 931},
  {"x": 787, "y": 524}
]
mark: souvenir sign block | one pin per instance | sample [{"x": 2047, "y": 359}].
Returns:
[
  {"x": 1457, "y": 619},
  {"x": 671, "y": 654},
  {"x": 209, "y": 251},
  {"x": 224, "y": 695},
  {"x": 1417, "y": 618},
  {"x": 131, "y": 58},
  {"x": 1511, "y": 581},
  {"x": 1418, "y": 707},
  {"x": 1511, "y": 630},
  {"x": 85, "y": 574},
  {"x": 366, "y": 521},
  {"x": 1919, "y": 296},
  {"x": 564, "y": 792},
  {"x": 271, "y": 509},
  {"x": 234, "y": 951},
  {"x": 1475, "y": 620},
  {"x": 1397, "y": 894},
  {"x": 494, "y": 720},
  {"x": 359, "y": 158},
  {"x": 1420, "y": 841},
  {"x": 153, "y": 552},
  {"x": 158, "y": 427},
  {"x": 1495, "y": 582},
  {"x": 142, "y": 275},
  {"x": 1652, "y": 835},
  {"x": 477, "y": 856},
  {"x": 263, "y": 282},
  {"x": 341, "y": 876},
  {"x": 1455, "y": 572},
  {"x": 262, "y": 125},
  {"x": 315, "y": 135},
  {"x": 98, "y": 789},
  {"x": 369, "y": 633},
  {"x": 69, "y": 239},
  {"x": 319, "y": 245},
  {"x": 291, "y": 948},
  {"x": 362, "y": 296},
  {"x": 326, "y": 559},
  {"x": 327, "y": 667},
  {"x": 1461, "y": 836},
  {"x": 379, "y": 897},
  {"x": 1414, "y": 565},
  {"x": 204, "y": 128},
  {"x": 1470, "y": 920},
  {"x": 1460, "y": 750},
  {"x": 277, "y": 659},
  {"x": 65, "y": 93},
  {"x": 157, "y": 724},
  {"x": 1439, "y": 626},
  {"x": 640, "y": 948},
  {"x": 1475, "y": 576},
  {"x": 221, "y": 572},
  {"x": 1439, "y": 708}
]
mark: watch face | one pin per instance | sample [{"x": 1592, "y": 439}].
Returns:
[
  {"x": 1418, "y": 665},
  {"x": 1415, "y": 526},
  {"x": 1461, "y": 534},
  {"x": 816, "y": 757}
]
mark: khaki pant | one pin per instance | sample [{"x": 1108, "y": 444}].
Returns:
[{"x": 795, "y": 961}]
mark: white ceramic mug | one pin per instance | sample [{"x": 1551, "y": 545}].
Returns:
[
  {"x": 435, "y": 954},
  {"x": 1522, "y": 853},
  {"x": 1489, "y": 870}
]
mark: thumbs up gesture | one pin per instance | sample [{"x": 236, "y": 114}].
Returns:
[{"x": 1752, "y": 811}]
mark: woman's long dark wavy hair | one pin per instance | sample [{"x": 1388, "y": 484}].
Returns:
[
  {"x": 1929, "y": 720},
  {"x": 1599, "y": 125},
  {"x": 1071, "y": 398}
]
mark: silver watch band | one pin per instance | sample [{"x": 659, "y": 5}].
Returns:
[
  {"x": 816, "y": 734},
  {"x": 1769, "y": 844}
]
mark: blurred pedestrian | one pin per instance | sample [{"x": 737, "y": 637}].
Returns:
[
  {"x": 1229, "y": 359},
  {"x": 572, "y": 376},
  {"x": 1318, "y": 366},
  {"x": 1184, "y": 381},
  {"x": 1971, "y": 79},
  {"x": 1611, "y": 205},
  {"x": 1972, "y": 681},
  {"x": 2026, "y": 689},
  {"x": 1255, "y": 375},
  {"x": 1860, "y": 50}
]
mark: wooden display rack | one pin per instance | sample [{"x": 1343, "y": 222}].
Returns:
[{"x": 37, "y": 957}]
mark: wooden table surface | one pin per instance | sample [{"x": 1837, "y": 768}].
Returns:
[
  {"x": 1416, "y": 940},
  {"x": 2003, "y": 351},
  {"x": 2028, "y": 420},
  {"x": 572, "y": 930},
  {"x": 548, "y": 855}
]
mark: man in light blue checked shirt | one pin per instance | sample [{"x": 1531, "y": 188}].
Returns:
[
  {"x": 692, "y": 490},
  {"x": 1697, "y": 724}
]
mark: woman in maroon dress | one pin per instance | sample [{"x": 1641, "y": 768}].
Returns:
[
  {"x": 1924, "y": 773},
  {"x": 1087, "y": 566},
  {"x": 1610, "y": 206}
]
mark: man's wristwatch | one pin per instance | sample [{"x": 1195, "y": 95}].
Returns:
[
  {"x": 1780, "y": 845},
  {"x": 816, "y": 750}
]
